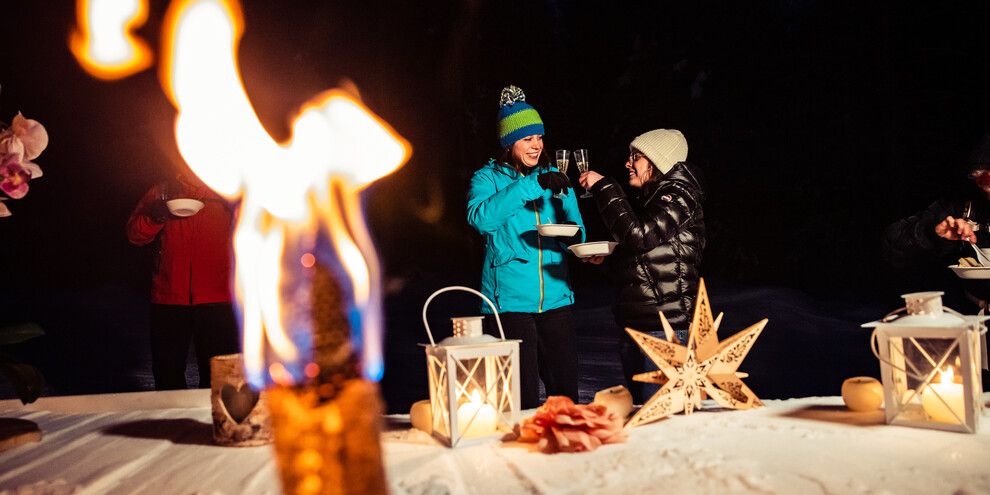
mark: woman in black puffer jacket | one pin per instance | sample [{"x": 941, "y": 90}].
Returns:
[{"x": 661, "y": 236}]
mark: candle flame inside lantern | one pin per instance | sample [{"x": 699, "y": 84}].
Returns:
[
  {"x": 103, "y": 41},
  {"x": 947, "y": 376},
  {"x": 299, "y": 200}
]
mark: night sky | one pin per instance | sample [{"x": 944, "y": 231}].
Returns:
[{"x": 816, "y": 123}]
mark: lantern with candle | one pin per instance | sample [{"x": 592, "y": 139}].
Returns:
[
  {"x": 474, "y": 385},
  {"x": 930, "y": 364}
]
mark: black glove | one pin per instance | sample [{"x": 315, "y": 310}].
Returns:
[
  {"x": 554, "y": 181},
  {"x": 159, "y": 211}
]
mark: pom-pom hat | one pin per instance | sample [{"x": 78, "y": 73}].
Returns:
[
  {"x": 663, "y": 147},
  {"x": 516, "y": 118}
]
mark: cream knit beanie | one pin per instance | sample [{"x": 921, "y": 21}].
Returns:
[{"x": 663, "y": 147}]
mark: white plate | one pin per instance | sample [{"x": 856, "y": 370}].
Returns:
[
  {"x": 558, "y": 229},
  {"x": 971, "y": 271},
  {"x": 184, "y": 207},
  {"x": 599, "y": 248}
]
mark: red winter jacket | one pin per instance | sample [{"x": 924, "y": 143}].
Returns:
[{"x": 194, "y": 262}]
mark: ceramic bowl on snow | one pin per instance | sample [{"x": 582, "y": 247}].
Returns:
[
  {"x": 599, "y": 248},
  {"x": 558, "y": 229},
  {"x": 184, "y": 207}
]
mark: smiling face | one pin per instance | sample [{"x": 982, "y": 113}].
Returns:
[
  {"x": 640, "y": 169},
  {"x": 527, "y": 150}
]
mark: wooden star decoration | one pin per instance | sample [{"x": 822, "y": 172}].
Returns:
[{"x": 703, "y": 367}]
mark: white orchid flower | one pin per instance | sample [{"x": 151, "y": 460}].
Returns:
[{"x": 25, "y": 137}]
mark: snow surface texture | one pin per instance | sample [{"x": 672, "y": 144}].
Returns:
[{"x": 133, "y": 443}]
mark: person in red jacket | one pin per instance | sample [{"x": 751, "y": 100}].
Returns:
[{"x": 191, "y": 293}]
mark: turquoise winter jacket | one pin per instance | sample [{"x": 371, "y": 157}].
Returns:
[{"x": 523, "y": 271}]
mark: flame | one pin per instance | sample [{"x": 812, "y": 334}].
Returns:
[
  {"x": 947, "y": 376},
  {"x": 294, "y": 195},
  {"x": 103, "y": 42}
]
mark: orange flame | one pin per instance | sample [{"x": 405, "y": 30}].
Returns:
[
  {"x": 289, "y": 192},
  {"x": 103, "y": 42}
]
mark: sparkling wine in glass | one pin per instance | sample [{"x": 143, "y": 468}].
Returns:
[
  {"x": 563, "y": 158},
  {"x": 581, "y": 158}
]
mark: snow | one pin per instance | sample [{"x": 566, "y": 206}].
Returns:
[
  {"x": 807, "y": 445},
  {"x": 157, "y": 442}
]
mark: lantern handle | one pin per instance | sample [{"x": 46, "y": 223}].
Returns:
[
  {"x": 892, "y": 313},
  {"x": 874, "y": 340},
  {"x": 498, "y": 320}
]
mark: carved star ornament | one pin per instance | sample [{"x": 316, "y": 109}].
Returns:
[{"x": 704, "y": 367}]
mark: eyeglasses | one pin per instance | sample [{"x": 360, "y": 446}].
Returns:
[{"x": 635, "y": 156}]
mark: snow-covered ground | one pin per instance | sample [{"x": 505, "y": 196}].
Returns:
[{"x": 161, "y": 443}]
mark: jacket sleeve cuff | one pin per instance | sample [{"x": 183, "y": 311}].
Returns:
[{"x": 532, "y": 185}]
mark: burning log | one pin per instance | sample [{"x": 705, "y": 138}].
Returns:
[
  {"x": 326, "y": 431},
  {"x": 329, "y": 446},
  {"x": 332, "y": 348}
]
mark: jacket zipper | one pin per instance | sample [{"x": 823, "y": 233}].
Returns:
[{"x": 539, "y": 248}]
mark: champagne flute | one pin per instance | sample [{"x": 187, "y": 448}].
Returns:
[
  {"x": 581, "y": 158},
  {"x": 563, "y": 158}
]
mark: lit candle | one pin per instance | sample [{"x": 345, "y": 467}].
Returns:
[
  {"x": 483, "y": 423},
  {"x": 951, "y": 401}
]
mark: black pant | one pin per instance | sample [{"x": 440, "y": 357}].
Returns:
[
  {"x": 547, "y": 351},
  {"x": 211, "y": 327}
]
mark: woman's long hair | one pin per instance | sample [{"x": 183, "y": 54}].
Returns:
[{"x": 653, "y": 181}]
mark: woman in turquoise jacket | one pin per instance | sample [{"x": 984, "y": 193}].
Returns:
[{"x": 525, "y": 274}]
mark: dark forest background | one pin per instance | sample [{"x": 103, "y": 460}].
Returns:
[{"x": 816, "y": 122}]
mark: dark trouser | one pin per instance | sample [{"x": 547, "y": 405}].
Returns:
[
  {"x": 635, "y": 361},
  {"x": 548, "y": 351},
  {"x": 211, "y": 327}
]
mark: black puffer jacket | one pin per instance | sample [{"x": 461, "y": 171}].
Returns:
[
  {"x": 912, "y": 246},
  {"x": 661, "y": 237}
]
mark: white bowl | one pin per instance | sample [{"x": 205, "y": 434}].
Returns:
[
  {"x": 184, "y": 207},
  {"x": 558, "y": 229},
  {"x": 599, "y": 248},
  {"x": 980, "y": 272}
]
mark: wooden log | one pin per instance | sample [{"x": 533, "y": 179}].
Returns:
[
  {"x": 333, "y": 351},
  {"x": 329, "y": 446}
]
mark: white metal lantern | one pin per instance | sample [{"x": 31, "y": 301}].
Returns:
[
  {"x": 474, "y": 384},
  {"x": 930, "y": 364}
]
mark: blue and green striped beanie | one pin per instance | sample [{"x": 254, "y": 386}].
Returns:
[{"x": 516, "y": 118}]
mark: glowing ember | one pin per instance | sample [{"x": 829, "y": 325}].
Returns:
[{"x": 103, "y": 42}]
